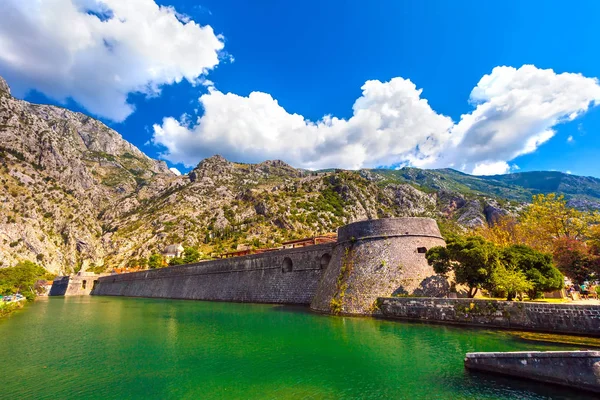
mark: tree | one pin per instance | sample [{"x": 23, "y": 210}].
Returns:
[
  {"x": 576, "y": 259},
  {"x": 594, "y": 239},
  {"x": 536, "y": 266},
  {"x": 142, "y": 262},
  {"x": 503, "y": 232},
  {"x": 156, "y": 261},
  {"x": 549, "y": 218},
  {"x": 510, "y": 281},
  {"x": 21, "y": 278},
  {"x": 190, "y": 255},
  {"x": 472, "y": 259},
  {"x": 176, "y": 261}
]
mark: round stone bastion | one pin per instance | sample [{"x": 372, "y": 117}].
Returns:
[{"x": 379, "y": 258}]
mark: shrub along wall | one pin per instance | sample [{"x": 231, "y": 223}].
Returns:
[{"x": 544, "y": 317}]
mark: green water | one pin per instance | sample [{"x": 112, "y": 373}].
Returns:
[{"x": 119, "y": 348}]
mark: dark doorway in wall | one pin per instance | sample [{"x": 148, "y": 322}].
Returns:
[
  {"x": 422, "y": 250},
  {"x": 325, "y": 258},
  {"x": 94, "y": 285},
  {"x": 83, "y": 284},
  {"x": 287, "y": 265}
]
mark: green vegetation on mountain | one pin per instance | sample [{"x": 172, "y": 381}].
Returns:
[
  {"x": 582, "y": 192},
  {"x": 77, "y": 196}
]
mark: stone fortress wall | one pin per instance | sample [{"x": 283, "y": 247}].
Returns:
[
  {"x": 378, "y": 258},
  {"x": 371, "y": 259},
  {"x": 81, "y": 283},
  {"x": 288, "y": 276}
]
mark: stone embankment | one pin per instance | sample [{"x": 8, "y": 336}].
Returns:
[
  {"x": 544, "y": 317},
  {"x": 576, "y": 369}
]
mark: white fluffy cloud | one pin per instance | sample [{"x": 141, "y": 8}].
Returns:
[
  {"x": 515, "y": 111},
  {"x": 100, "y": 51},
  {"x": 256, "y": 127}
]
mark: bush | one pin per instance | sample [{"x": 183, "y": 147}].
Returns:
[
  {"x": 8, "y": 308},
  {"x": 156, "y": 261},
  {"x": 176, "y": 261},
  {"x": 190, "y": 255}
]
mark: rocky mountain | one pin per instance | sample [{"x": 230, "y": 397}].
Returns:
[
  {"x": 582, "y": 192},
  {"x": 76, "y": 195},
  {"x": 64, "y": 178}
]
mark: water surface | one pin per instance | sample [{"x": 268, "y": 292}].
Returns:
[{"x": 120, "y": 348}]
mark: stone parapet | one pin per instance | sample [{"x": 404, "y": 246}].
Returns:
[{"x": 544, "y": 317}]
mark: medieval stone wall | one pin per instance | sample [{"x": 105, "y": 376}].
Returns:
[
  {"x": 379, "y": 258},
  {"x": 288, "y": 276},
  {"x": 544, "y": 317},
  {"x": 59, "y": 286},
  {"x": 76, "y": 285}
]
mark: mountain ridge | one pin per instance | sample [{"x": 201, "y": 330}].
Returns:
[{"x": 76, "y": 195}]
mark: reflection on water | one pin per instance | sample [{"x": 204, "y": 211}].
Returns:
[{"x": 101, "y": 347}]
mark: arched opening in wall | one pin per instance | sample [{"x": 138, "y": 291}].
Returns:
[
  {"x": 94, "y": 285},
  {"x": 287, "y": 265},
  {"x": 83, "y": 284},
  {"x": 325, "y": 258},
  {"x": 421, "y": 250}
]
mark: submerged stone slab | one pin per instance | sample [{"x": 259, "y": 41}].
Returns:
[{"x": 576, "y": 369}]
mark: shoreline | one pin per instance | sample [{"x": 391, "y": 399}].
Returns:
[{"x": 7, "y": 309}]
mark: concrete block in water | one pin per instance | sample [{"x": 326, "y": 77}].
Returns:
[{"x": 576, "y": 369}]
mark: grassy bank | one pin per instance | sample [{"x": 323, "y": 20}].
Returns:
[{"x": 8, "y": 308}]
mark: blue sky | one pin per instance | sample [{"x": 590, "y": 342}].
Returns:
[{"x": 311, "y": 58}]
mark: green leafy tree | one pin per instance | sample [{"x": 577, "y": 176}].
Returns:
[
  {"x": 142, "y": 262},
  {"x": 537, "y": 267},
  {"x": 190, "y": 255},
  {"x": 21, "y": 278},
  {"x": 176, "y": 261},
  {"x": 472, "y": 259},
  {"x": 510, "y": 281},
  {"x": 156, "y": 261}
]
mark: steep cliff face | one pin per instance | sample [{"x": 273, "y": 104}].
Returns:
[{"x": 60, "y": 171}]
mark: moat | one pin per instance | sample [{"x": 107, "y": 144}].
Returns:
[{"x": 110, "y": 347}]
